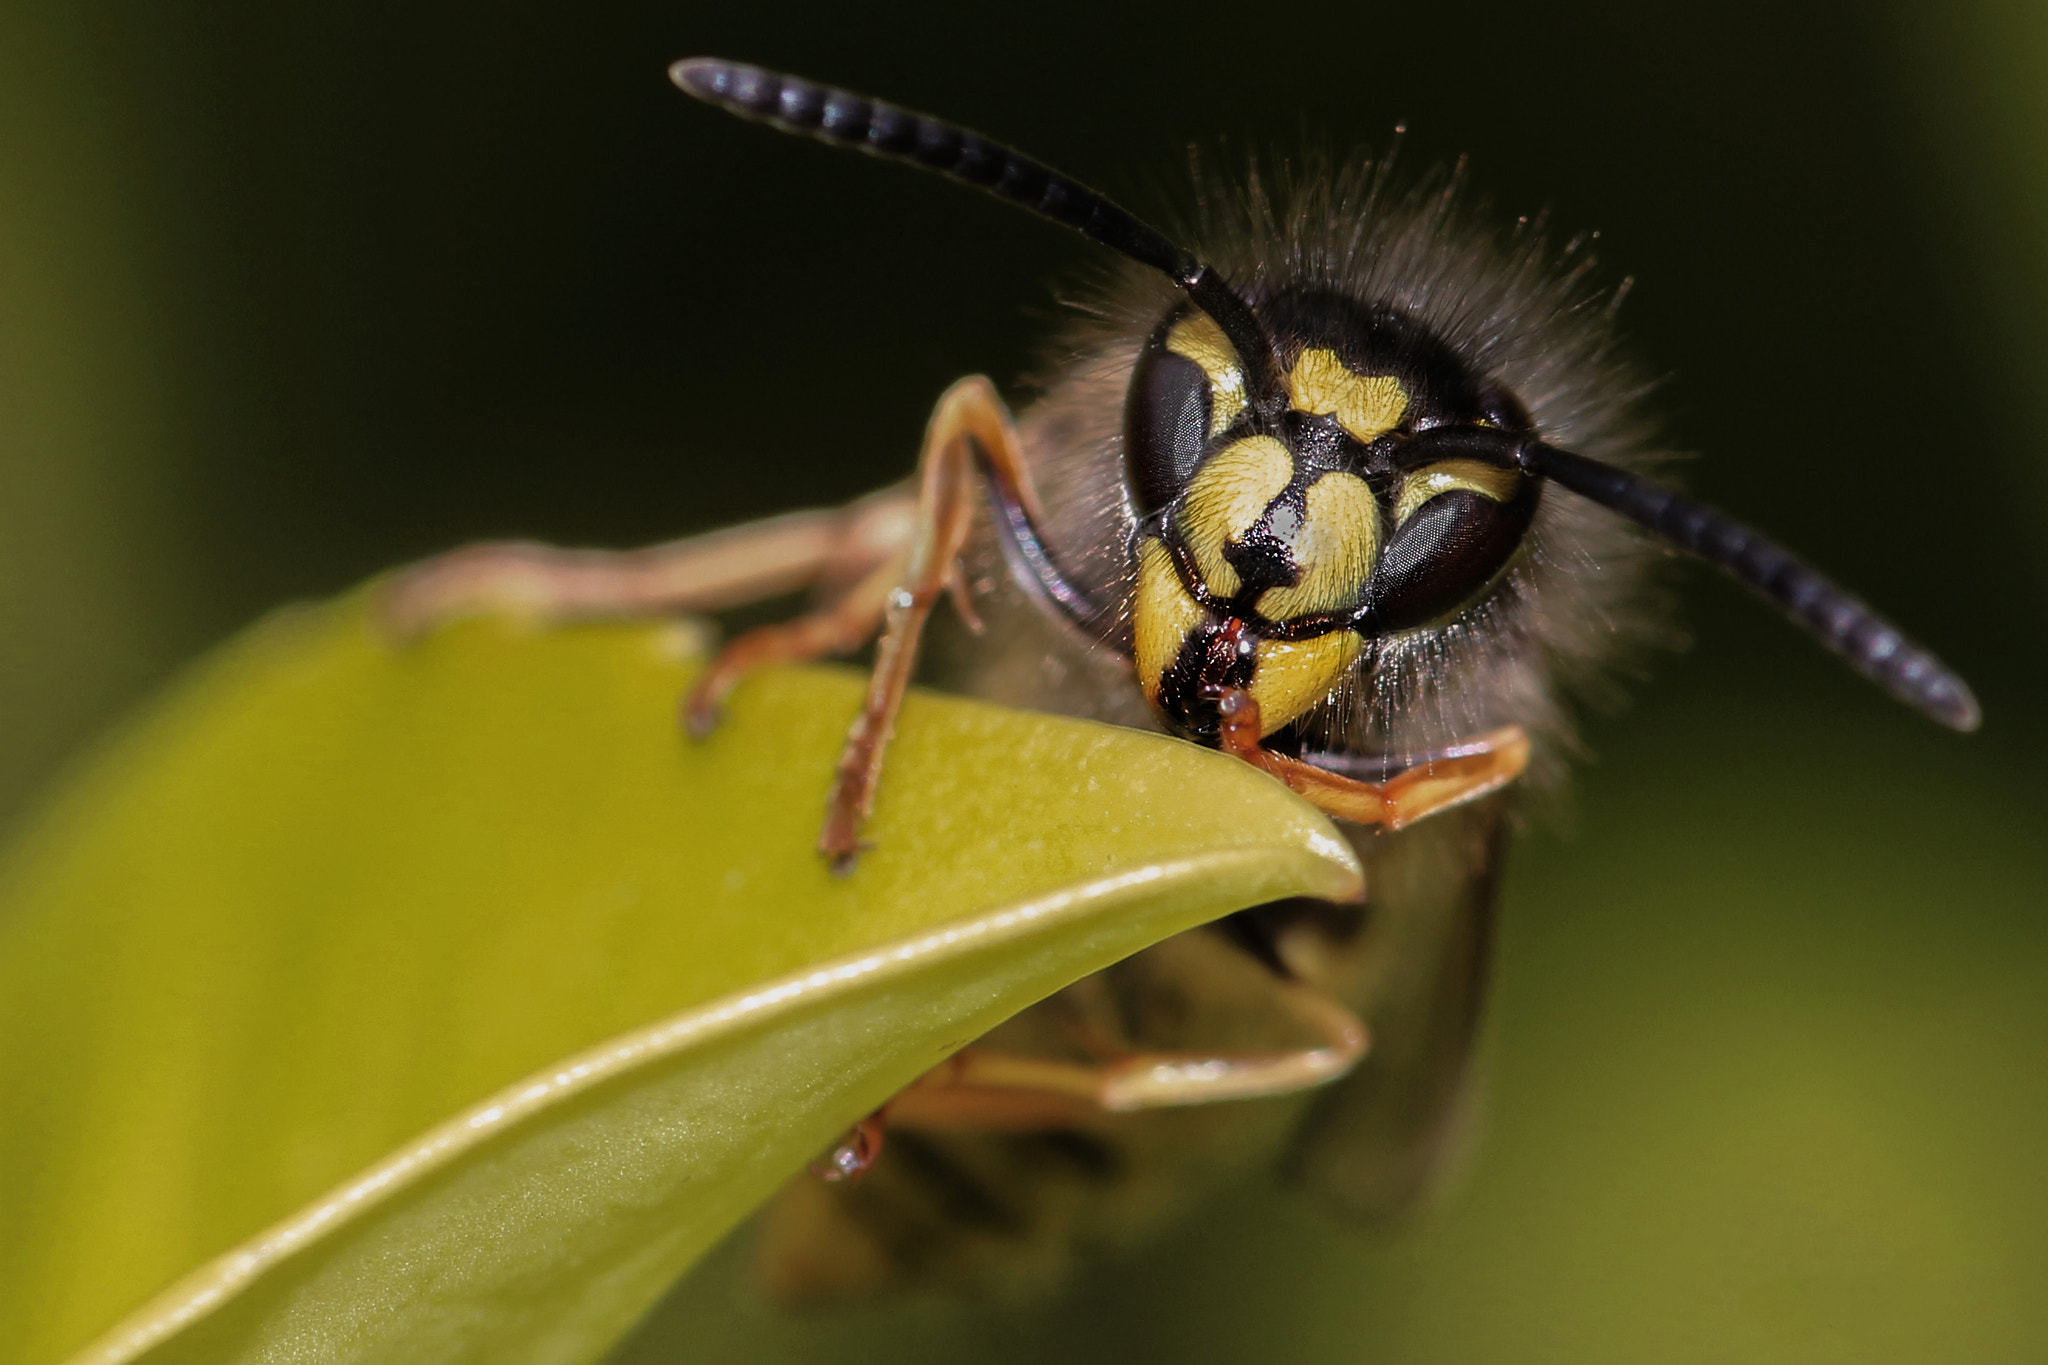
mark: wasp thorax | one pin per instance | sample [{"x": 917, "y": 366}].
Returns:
[{"x": 1274, "y": 546}]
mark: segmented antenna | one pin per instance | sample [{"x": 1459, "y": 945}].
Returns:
[
  {"x": 1872, "y": 645},
  {"x": 846, "y": 119}
]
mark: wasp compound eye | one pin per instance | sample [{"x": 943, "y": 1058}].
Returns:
[
  {"x": 1188, "y": 387},
  {"x": 1456, "y": 525}
]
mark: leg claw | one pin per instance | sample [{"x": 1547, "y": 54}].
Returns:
[{"x": 853, "y": 1155}]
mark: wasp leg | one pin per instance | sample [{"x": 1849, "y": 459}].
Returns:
[
  {"x": 853, "y": 1155},
  {"x": 969, "y": 429},
  {"x": 710, "y": 572},
  {"x": 977, "y": 1088},
  {"x": 1484, "y": 765},
  {"x": 841, "y": 626}
]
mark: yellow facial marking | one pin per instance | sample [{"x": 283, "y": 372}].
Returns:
[
  {"x": 1367, "y": 408},
  {"x": 1198, "y": 338},
  {"x": 1163, "y": 616},
  {"x": 1225, "y": 499},
  {"x": 1474, "y": 476},
  {"x": 1293, "y": 675},
  {"x": 1335, "y": 546}
]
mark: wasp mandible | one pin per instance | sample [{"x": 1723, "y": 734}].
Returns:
[{"x": 1355, "y": 492}]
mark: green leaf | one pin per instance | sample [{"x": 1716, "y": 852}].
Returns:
[{"x": 445, "y": 1003}]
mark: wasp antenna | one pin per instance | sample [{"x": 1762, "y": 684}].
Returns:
[
  {"x": 846, "y": 119},
  {"x": 1872, "y": 645}
]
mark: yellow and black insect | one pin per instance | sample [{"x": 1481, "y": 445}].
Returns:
[{"x": 1353, "y": 493}]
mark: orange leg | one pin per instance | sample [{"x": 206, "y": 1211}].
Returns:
[
  {"x": 969, "y": 424},
  {"x": 701, "y": 573},
  {"x": 840, "y": 627},
  {"x": 977, "y": 1088},
  {"x": 986, "y": 1090},
  {"x": 1492, "y": 761}
]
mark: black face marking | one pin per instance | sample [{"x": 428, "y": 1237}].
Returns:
[
  {"x": 1319, "y": 443},
  {"x": 1264, "y": 555}
]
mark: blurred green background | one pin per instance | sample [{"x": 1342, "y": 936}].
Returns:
[{"x": 290, "y": 293}]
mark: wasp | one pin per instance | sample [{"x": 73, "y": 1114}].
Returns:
[{"x": 1354, "y": 491}]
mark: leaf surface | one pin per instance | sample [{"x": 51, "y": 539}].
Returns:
[{"x": 445, "y": 1003}]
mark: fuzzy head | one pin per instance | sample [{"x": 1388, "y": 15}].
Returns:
[{"x": 1275, "y": 545}]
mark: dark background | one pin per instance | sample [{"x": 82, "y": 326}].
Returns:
[
  {"x": 413, "y": 274},
  {"x": 293, "y": 293}
]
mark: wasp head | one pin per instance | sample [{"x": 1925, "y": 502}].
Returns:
[{"x": 1278, "y": 538}]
